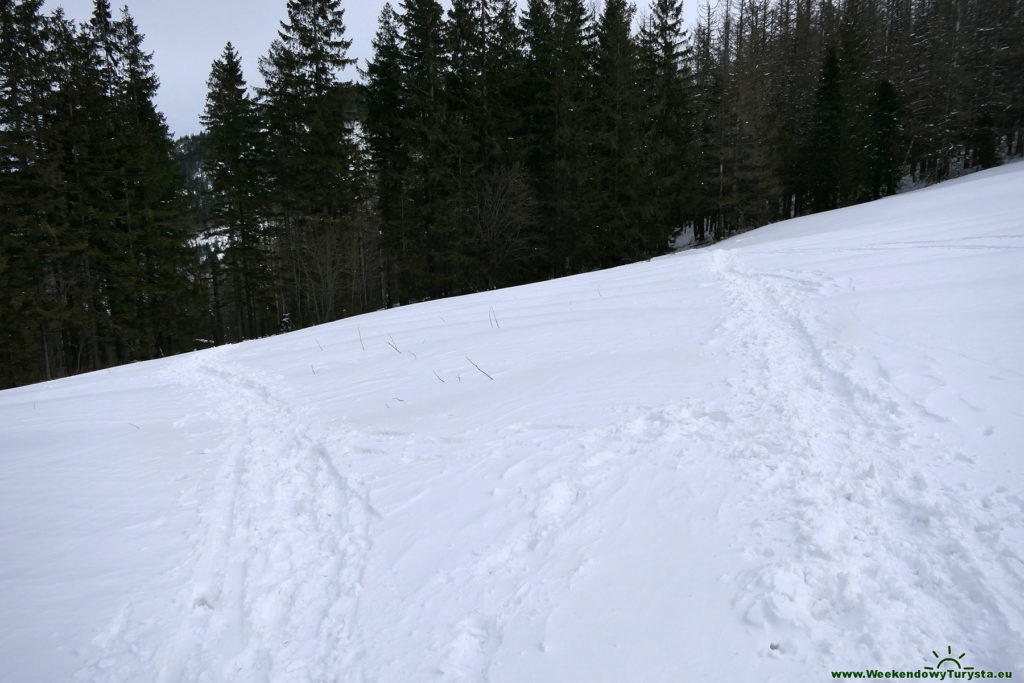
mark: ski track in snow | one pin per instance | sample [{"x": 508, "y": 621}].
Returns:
[
  {"x": 278, "y": 562},
  {"x": 862, "y": 537}
]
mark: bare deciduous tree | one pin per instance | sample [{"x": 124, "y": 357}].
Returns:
[{"x": 502, "y": 212}]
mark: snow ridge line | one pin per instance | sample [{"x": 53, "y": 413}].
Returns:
[
  {"x": 279, "y": 562},
  {"x": 860, "y": 540}
]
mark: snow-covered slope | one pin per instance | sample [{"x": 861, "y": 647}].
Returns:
[{"x": 793, "y": 453}]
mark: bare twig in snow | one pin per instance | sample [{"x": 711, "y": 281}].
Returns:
[
  {"x": 361, "y": 337},
  {"x": 479, "y": 368},
  {"x": 391, "y": 343},
  {"x": 439, "y": 378}
]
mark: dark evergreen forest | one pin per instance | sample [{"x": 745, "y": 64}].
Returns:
[{"x": 490, "y": 145}]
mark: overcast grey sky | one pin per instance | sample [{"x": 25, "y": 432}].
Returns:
[{"x": 187, "y": 35}]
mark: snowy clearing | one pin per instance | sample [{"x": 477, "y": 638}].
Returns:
[{"x": 792, "y": 453}]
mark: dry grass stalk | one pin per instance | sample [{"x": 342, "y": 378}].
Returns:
[{"x": 484, "y": 372}]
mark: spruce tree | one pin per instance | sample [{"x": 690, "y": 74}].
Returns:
[
  {"x": 711, "y": 64},
  {"x": 231, "y": 129},
  {"x": 669, "y": 109},
  {"x": 558, "y": 39},
  {"x": 824, "y": 146},
  {"x": 467, "y": 136},
  {"x": 536, "y": 101},
  {"x": 618, "y": 214},
  {"x": 428, "y": 262},
  {"x": 151, "y": 298},
  {"x": 795, "y": 67},
  {"x": 384, "y": 131},
  {"x": 83, "y": 181},
  {"x": 503, "y": 75},
  {"x": 857, "y": 92},
  {"x": 26, "y": 244},
  {"x": 310, "y": 158},
  {"x": 503, "y": 203}
]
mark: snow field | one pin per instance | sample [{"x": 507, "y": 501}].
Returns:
[{"x": 793, "y": 453}]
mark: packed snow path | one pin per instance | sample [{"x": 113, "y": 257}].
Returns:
[
  {"x": 856, "y": 478},
  {"x": 794, "y": 453},
  {"x": 279, "y": 559}
]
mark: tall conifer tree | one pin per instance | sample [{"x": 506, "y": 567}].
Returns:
[
  {"x": 384, "y": 132},
  {"x": 428, "y": 270},
  {"x": 25, "y": 243},
  {"x": 231, "y": 133},
  {"x": 668, "y": 101},
  {"x": 618, "y": 213},
  {"x": 311, "y": 158}
]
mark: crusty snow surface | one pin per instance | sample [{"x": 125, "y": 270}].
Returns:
[{"x": 796, "y": 452}]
